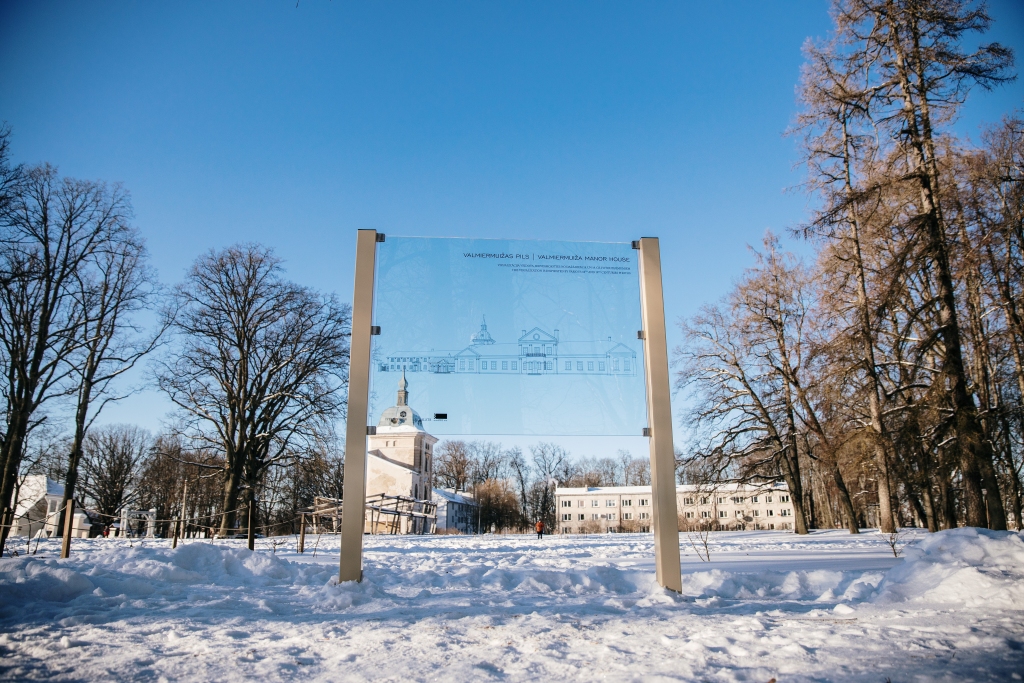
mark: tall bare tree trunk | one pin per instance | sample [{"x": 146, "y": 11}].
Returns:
[{"x": 974, "y": 451}]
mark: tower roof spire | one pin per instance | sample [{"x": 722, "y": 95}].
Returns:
[
  {"x": 483, "y": 336},
  {"x": 403, "y": 391}
]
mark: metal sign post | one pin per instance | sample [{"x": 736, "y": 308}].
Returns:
[
  {"x": 353, "y": 504},
  {"x": 659, "y": 412}
]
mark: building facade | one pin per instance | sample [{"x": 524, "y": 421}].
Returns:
[
  {"x": 629, "y": 508},
  {"x": 38, "y": 509},
  {"x": 400, "y": 455},
  {"x": 536, "y": 352},
  {"x": 456, "y": 512}
]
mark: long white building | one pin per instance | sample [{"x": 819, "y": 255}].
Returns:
[{"x": 628, "y": 508}]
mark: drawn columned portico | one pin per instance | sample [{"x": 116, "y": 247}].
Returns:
[{"x": 536, "y": 352}]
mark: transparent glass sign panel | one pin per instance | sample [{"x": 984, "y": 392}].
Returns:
[{"x": 508, "y": 337}]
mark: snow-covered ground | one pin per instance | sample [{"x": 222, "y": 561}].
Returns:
[{"x": 829, "y": 606}]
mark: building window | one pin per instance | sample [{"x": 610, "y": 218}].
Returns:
[
  {"x": 568, "y": 365},
  {"x": 645, "y": 515},
  {"x": 494, "y": 365},
  {"x": 609, "y": 503},
  {"x": 590, "y": 365},
  {"x": 627, "y": 515},
  {"x": 471, "y": 365},
  {"x": 757, "y": 513},
  {"x": 594, "y": 503},
  {"x": 753, "y": 499},
  {"x": 582, "y": 517},
  {"x": 739, "y": 514},
  {"x": 784, "y": 513},
  {"x": 611, "y": 516},
  {"x": 687, "y": 501},
  {"x": 689, "y": 515},
  {"x": 581, "y": 502},
  {"x": 547, "y": 365},
  {"x": 515, "y": 365},
  {"x": 579, "y": 365},
  {"x": 627, "y": 503},
  {"x": 566, "y": 517},
  {"x": 625, "y": 366},
  {"x": 615, "y": 365},
  {"x": 771, "y": 513},
  {"x": 547, "y": 350},
  {"x": 737, "y": 500},
  {"x": 594, "y": 516},
  {"x": 644, "y": 502},
  {"x": 462, "y": 365},
  {"x": 504, "y": 365},
  {"x": 769, "y": 499},
  {"x": 721, "y": 513},
  {"x": 721, "y": 500},
  {"x": 567, "y": 503},
  {"x": 704, "y": 500},
  {"x": 784, "y": 499},
  {"x": 600, "y": 366},
  {"x": 705, "y": 514}
]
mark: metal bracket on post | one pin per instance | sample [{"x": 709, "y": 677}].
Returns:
[
  {"x": 659, "y": 415},
  {"x": 353, "y": 506}
]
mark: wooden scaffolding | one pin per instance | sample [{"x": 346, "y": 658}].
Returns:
[{"x": 384, "y": 515}]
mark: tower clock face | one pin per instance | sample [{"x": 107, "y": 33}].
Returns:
[{"x": 402, "y": 413}]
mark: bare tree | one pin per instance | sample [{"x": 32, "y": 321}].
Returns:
[
  {"x": 10, "y": 176},
  {"x": 111, "y": 460},
  {"x": 911, "y": 77},
  {"x": 547, "y": 459},
  {"x": 738, "y": 366},
  {"x": 521, "y": 474},
  {"x": 258, "y": 368},
  {"x": 49, "y": 231},
  {"x": 452, "y": 465},
  {"x": 635, "y": 471},
  {"x": 111, "y": 288}
]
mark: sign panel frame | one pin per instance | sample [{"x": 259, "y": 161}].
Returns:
[{"x": 659, "y": 415}]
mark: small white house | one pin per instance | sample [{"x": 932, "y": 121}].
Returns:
[
  {"x": 456, "y": 512},
  {"x": 38, "y": 509}
]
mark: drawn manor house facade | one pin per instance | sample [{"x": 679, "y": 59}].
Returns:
[{"x": 536, "y": 352}]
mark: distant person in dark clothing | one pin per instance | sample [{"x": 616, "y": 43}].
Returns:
[{"x": 540, "y": 529}]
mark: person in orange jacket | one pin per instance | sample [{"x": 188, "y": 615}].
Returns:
[{"x": 540, "y": 529}]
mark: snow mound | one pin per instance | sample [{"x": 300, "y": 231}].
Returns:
[
  {"x": 818, "y": 585},
  {"x": 969, "y": 566},
  {"x": 24, "y": 580},
  {"x": 195, "y": 563},
  {"x": 141, "y": 572}
]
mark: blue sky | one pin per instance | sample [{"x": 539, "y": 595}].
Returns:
[{"x": 295, "y": 126}]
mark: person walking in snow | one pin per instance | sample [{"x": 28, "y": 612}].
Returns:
[{"x": 540, "y": 529}]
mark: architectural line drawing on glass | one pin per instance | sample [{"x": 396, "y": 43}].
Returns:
[{"x": 537, "y": 351}]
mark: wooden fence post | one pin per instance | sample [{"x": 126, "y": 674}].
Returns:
[{"x": 69, "y": 518}]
